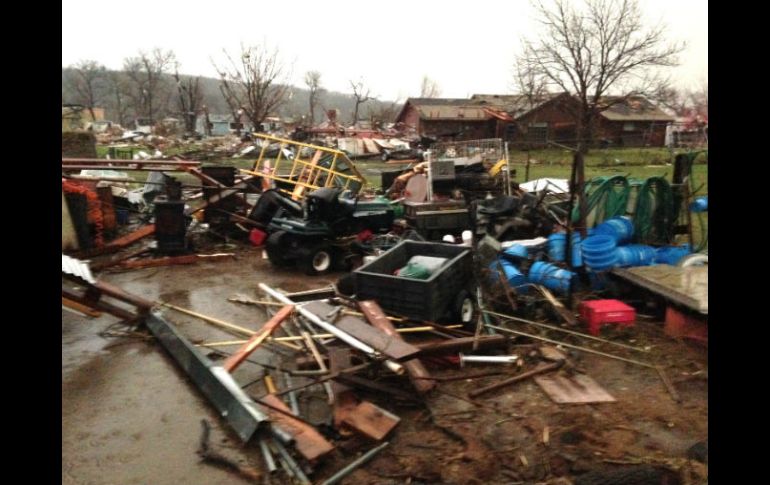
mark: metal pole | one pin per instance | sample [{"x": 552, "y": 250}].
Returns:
[
  {"x": 337, "y": 477},
  {"x": 559, "y": 329},
  {"x": 576, "y": 347},
  {"x": 350, "y": 340}
]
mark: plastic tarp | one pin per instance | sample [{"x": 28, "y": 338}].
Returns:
[{"x": 557, "y": 186}]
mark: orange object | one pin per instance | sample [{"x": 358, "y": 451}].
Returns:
[
  {"x": 682, "y": 325},
  {"x": 256, "y": 340},
  {"x": 95, "y": 216}
]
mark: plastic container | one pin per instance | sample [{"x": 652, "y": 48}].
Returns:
[
  {"x": 672, "y": 254},
  {"x": 550, "y": 276},
  {"x": 516, "y": 252},
  {"x": 599, "y": 252},
  {"x": 701, "y": 204},
  {"x": 599, "y": 312},
  {"x": 428, "y": 299},
  {"x": 512, "y": 274},
  {"x": 636, "y": 255},
  {"x": 620, "y": 228},
  {"x": 557, "y": 244}
]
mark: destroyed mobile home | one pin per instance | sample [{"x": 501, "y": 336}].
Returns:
[{"x": 473, "y": 331}]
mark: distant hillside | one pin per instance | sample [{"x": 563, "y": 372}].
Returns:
[{"x": 295, "y": 107}]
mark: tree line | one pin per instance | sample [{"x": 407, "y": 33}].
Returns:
[{"x": 252, "y": 85}]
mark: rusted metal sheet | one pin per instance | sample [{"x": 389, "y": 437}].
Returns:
[
  {"x": 344, "y": 399},
  {"x": 256, "y": 340},
  {"x": 578, "y": 389},
  {"x": 392, "y": 347},
  {"x": 371, "y": 420},
  {"x": 308, "y": 441},
  {"x": 417, "y": 372}
]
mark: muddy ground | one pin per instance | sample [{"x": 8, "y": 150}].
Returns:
[{"x": 129, "y": 415}]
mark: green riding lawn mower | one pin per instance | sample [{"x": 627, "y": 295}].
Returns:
[{"x": 320, "y": 236}]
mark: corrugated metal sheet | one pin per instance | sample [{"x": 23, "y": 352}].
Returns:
[{"x": 77, "y": 268}]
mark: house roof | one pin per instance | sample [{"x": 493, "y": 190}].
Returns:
[
  {"x": 449, "y": 112},
  {"x": 635, "y": 108},
  {"x": 516, "y": 105}
]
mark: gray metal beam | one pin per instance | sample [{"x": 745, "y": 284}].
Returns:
[{"x": 240, "y": 411}]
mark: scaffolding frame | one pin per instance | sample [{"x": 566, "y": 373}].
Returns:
[{"x": 326, "y": 167}]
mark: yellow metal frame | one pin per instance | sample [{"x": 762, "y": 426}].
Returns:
[{"x": 304, "y": 174}]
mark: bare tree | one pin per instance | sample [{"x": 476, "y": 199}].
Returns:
[
  {"x": 384, "y": 112},
  {"x": 86, "y": 82},
  {"x": 599, "y": 48},
  {"x": 146, "y": 72},
  {"x": 429, "y": 88},
  {"x": 190, "y": 99},
  {"x": 529, "y": 81},
  {"x": 361, "y": 94},
  {"x": 256, "y": 84},
  {"x": 313, "y": 83},
  {"x": 117, "y": 88}
]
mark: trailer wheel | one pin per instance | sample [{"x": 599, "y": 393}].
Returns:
[
  {"x": 319, "y": 259},
  {"x": 465, "y": 310}
]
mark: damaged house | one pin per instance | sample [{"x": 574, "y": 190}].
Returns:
[{"x": 521, "y": 119}]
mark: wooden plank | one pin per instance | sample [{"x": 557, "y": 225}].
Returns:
[
  {"x": 578, "y": 389},
  {"x": 256, "y": 340},
  {"x": 563, "y": 311},
  {"x": 87, "y": 310},
  {"x": 132, "y": 237},
  {"x": 172, "y": 260},
  {"x": 418, "y": 374},
  {"x": 371, "y": 421},
  {"x": 344, "y": 398},
  {"x": 392, "y": 347},
  {"x": 308, "y": 441}
]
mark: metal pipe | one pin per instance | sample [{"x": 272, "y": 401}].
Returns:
[
  {"x": 490, "y": 359},
  {"x": 267, "y": 456},
  {"x": 576, "y": 347},
  {"x": 293, "y": 404},
  {"x": 337, "y": 477},
  {"x": 564, "y": 330},
  {"x": 295, "y": 468},
  {"x": 352, "y": 341}
]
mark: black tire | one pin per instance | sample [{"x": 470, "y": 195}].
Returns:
[
  {"x": 276, "y": 252},
  {"x": 318, "y": 259},
  {"x": 464, "y": 309}
]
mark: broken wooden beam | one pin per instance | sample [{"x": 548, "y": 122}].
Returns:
[
  {"x": 308, "y": 441},
  {"x": 172, "y": 260},
  {"x": 417, "y": 372},
  {"x": 256, "y": 340},
  {"x": 517, "y": 378},
  {"x": 370, "y": 420},
  {"x": 462, "y": 343}
]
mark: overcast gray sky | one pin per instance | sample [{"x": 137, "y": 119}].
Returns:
[{"x": 466, "y": 46}]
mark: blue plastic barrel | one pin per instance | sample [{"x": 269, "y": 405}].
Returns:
[
  {"x": 550, "y": 276},
  {"x": 516, "y": 252},
  {"x": 513, "y": 275},
  {"x": 701, "y": 204},
  {"x": 636, "y": 255},
  {"x": 672, "y": 254},
  {"x": 599, "y": 252},
  {"x": 556, "y": 246},
  {"x": 620, "y": 228},
  {"x": 577, "y": 250}
]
